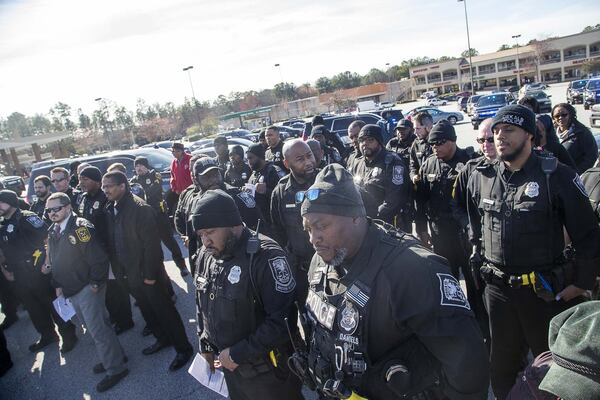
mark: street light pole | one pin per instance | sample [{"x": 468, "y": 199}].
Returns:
[
  {"x": 516, "y": 37},
  {"x": 187, "y": 69},
  {"x": 469, "y": 49},
  {"x": 287, "y": 110}
]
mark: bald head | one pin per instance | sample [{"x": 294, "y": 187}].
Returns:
[
  {"x": 298, "y": 157},
  {"x": 484, "y": 135}
]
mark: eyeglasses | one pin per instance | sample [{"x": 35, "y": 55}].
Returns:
[
  {"x": 561, "y": 115},
  {"x": 310, "y": 194},
  {"x": 438, "y": 142},
  {"x": 483, "y": 140},
  {"x": 108, "y": 186},
  {"x": 54, "y": 209},
  {"x": 57, "y": 180}
]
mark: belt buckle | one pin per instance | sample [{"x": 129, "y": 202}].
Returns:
[{"x": 515, "y": 281}]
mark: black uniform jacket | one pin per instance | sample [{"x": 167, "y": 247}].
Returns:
[
  {"x": 133, "y": 240},
  {"x": 232, "y": 312},
  {"x": 152, "y": 185},
  {"x": 92, "y": 208},
  {"x": 76, "y": 256},
  {"x": 520, "y": 220},
  {"x": 414, "y": 295},
  {"x": 22, "y": 239}
]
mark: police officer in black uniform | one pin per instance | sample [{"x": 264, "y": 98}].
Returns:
[
  {"x": 221, "y": 146},
  {"x": 22, "y": 235},
  {"x": 92, "y": 207},
  {"x": 353, "y": 131},
  {"x": 60, "y": 178},
  {"x": 420, "y": 148},
  {"x": 238, "y": 172},
  {"x": 151, "y": 182},
  {"x": 388, "y": 320},
  {"x": 285, "y": 208},
  {"x": 209, "y": 176},
  {"x": 402, "y": 143},
  {"x": 518, "y": 208},
  {"x": 591, "y": 181},
  {"x": 137, "y": 260},
  {"x": 330, "y": 153},
  {"x": 384, "y": 177},
  {"x": 265, "y": 176},
  {"x": 245, "y": 291},
  {"x": 274, "y": 152},
  {"x": 42, "y": 188}
]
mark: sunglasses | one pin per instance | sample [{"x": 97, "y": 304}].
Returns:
[
  {"x": 483, "y": 140},
  {"x": 57, "y": 180},
  {"x": 54, "y": 209},
  {"x": 562, "y": 115},
  {"x": 438, "y": 142},
  {"x": 310, "y": 194}
]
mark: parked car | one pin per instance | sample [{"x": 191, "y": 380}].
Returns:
[
  {"x": 471, "y": 103},
  {"x": 438, "y": 115},
  {"x": 159, "y": 159},
  {"x": 428, "y": 94},
  {"x": 14, "y": 183},
  {"x": 448, "y": 97},
  {"x": 512, "y": 89},
  {"x": 462, "y": 104},
  {"x": 532, "y": 87},
  {"x": 166, "y": 144},
  {"x": 288, "y": 132},
  {"x": 339, "y": 124},
  {"x": 210, "y": 150},
  {"x": 206, "y": 143},
  {"x": 575, "y": 91},
  {"x": 434, "y": 101},
  {"x": 395, "y": 114},
  {"x": 591, "y": 94},
  {"x": 236, "y": 133},
  {"x": 543, "y": 101},
  {"x": 488, "y": 106},
  {"x": 595, "y": 117}
]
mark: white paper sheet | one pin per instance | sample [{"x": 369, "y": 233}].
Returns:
[
  {"x": 250, "y": 188},
  {"x": 64, "y": 308},
  {"x": 215, "y": 381}
]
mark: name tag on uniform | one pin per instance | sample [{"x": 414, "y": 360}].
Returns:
[
  {"x": 290, "y": 206},
  {"x": 322, "y": 311},
  {"x": 488, "y": 201},
  {"x": 432, "y": 175}
]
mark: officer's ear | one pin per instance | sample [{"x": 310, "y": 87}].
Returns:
[{"x": 285, "y": 162}]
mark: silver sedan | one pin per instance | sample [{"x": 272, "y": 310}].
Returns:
[{"x": 438, "y": 115}]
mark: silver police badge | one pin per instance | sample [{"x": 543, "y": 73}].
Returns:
[
  {"x": 148, "y": 181},
  {"x": 244, "y": 175},
  {"x": 247, "y": 199},
  {"x": 234, "y": 274},
  {"x": 10, "y": 228},
  {"x": 349, "y": 318},
  {"x": 284, "y": 280},
  {"x": 532, "y": 189},
  {"x": 398, "y": 175},
  {"x": 96, "y": 205},
  {"x": 72, "y": 239}
]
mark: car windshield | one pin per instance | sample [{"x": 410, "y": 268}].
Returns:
[
  {"x": 159, "y": 160},
  {"x": 492, "y": 100},
  {"x": 539, "y": 95},
  {"x": 578, "y": 84},
  {"x": 593, "y": 85},
  {"x": 474, "y": 99}
]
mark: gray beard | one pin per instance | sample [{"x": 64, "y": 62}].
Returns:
[{"x": 340, "y": 256}]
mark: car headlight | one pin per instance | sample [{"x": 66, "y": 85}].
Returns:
[{"x": 476, "y": 115}]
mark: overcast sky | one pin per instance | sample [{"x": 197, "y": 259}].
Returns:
[{"x": 77, "y": 50}]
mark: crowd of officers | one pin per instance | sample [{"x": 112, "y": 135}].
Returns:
[{"x": 304, "y": 261}]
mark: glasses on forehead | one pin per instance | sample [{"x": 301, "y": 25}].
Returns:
[
  {"x": 560, "y": 115},
  {"x": 438, "y": 142},
  {"x": 54, "y": 209},
  {"x": 481, "y": 140},
  {"x": 310, "y": 194}
]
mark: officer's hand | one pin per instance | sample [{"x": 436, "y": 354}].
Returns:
[
  {"x": 59, "y": 292},
  {"x": 425, "y": 238},
  {"x": 150, "y": 281},
  {"x": 415, "y": 179},
  {"x": 226, "y": 360},
  {"x": 8, "y": 275},
  {"x": 210, "y": 359},
  {"x": 261, "y": 188},
  {"x": 45, "y": 269},
  {"x": 186, "y": 241},
  {"x": 569, "y": 293}
]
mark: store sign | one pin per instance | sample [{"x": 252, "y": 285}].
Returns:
[{"x": 585, "y": 60}]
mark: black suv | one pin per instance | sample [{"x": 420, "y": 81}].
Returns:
[
  {"x": 575, "y": 91},
  {"x": 488, "y": 106},
  {"x": 159, "y": 160},
  {"x": 14, "y": 183},
  {"x": 339, "y": 124}
]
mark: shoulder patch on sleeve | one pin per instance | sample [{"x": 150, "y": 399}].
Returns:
[
  {"x": 579, "y": 185},
  {"x": 35, "y": 221},
  {"x": 247, "y": 199},
  {"x": 83, "y": 234},
  {"x": 282, "y": 274},
  {"x": 451, "y": 293},
  {"x": 398, "y": 175}
]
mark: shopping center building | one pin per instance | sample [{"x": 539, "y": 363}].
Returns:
[{"x": 552, "y": 60}]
